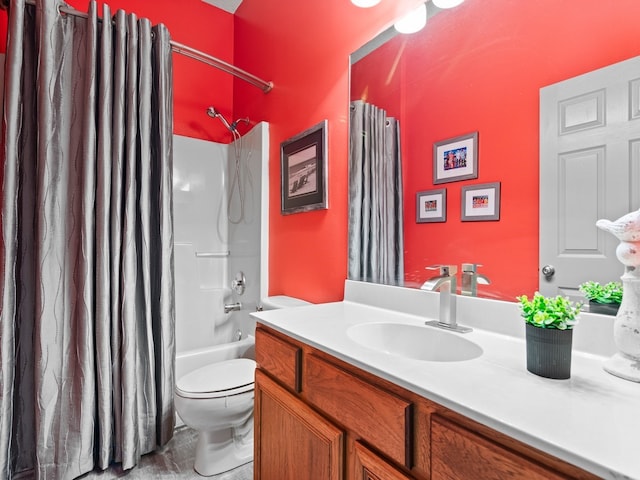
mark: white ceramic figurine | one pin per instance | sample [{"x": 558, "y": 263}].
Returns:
[{"x": 626, "y": 328}]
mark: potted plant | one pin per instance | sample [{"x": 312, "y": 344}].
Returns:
[
  {"x": 549, "y": 325},
  {"x": 603, "y": 298}
]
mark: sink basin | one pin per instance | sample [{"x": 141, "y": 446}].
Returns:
[{"x": 414, "y": 341}]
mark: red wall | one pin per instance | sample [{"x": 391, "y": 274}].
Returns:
[
  {"x": 465, "y": 72},
  {"x": 304, "y": 47}
]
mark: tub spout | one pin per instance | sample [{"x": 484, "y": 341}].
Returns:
[{"x": 232, "y": 307}]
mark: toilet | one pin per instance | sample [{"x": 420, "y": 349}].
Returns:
[
  {"x": 281, "y": 301},
  {"x": 217, "y": 401}
]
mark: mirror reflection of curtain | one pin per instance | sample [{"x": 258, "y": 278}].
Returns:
[
  {"x": 87, "y": 329},
  {"x": 376, "y": 243}
]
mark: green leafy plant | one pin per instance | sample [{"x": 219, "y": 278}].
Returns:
[
  {"x": 608, "y": 293},
  {"x": 549, "y": 312}
]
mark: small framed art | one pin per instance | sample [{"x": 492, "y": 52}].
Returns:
[
  {"x": 456, "y": 159},
  {"x": 304, "y": 170},
  {"x": 431, "y": 206},
  {"x": 481, "y": 202}
]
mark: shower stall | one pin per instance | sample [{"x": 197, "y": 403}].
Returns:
[{"x": 220, "y": 197}]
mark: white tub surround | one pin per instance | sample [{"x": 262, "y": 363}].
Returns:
[
  {"x": 218, "y": 235},
  {"x": 590, "y": 420}
]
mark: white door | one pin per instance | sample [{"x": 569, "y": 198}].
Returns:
[{"x": 589, "y": 169}]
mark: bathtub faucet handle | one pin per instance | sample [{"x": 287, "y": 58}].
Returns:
[{"x": 239, "y": 283}]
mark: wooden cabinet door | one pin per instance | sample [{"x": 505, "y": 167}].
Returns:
[
  {"x": 292, "y": 441},
  {"x": 369, "y": 466}
]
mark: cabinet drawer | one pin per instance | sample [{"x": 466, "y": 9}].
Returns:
[
  {"x": 378, "y": 417},
  {"x": 459, "y": 453},
  {"x": 280, "y": 358}
]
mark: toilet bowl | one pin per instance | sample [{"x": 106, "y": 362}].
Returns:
[{"x": 217, "y": 401}]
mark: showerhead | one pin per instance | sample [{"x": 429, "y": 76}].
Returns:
[{"x": 213, "y": 113}]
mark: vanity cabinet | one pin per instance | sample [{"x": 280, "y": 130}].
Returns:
[{"x": 318, "y": 417}]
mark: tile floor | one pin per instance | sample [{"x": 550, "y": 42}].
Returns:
[{"x": 173, "y": 462}]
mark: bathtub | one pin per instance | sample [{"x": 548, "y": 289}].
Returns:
[{"x": 190, "y": 360}]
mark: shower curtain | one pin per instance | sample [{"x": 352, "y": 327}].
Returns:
[
  {"x": 376, "y": 245},
  {"x": 87, "y": 328}
]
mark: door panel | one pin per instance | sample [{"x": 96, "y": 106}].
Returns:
[{"x": 580, "y": 175}]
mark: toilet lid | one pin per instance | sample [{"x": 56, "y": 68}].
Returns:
[{"x": 218, "y": 379}]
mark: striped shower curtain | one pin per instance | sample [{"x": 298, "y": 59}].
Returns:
[
  {"x": 376, "y": 245},
  {"x": 87, "y": 326}
]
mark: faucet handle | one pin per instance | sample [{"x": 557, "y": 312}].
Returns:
[
  {"x": 445, "y": 270},
  {"x": 470, "y": 267}
]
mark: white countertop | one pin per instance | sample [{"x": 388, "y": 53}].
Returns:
[{"x": 591, "y": 420}]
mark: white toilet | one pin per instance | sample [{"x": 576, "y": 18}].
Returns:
[{"x": 217, "y": 400}]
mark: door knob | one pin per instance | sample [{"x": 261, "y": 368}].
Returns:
[{"x": 548, "y": 271}]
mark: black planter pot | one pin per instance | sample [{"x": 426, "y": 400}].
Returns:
[
  {"x": 604, "y": 308},
  {"x": 549, "y": 351}
]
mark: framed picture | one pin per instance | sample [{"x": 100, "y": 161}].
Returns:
[
  {"x": 481, "y": 202},
  {"x": 456, "y": 159},
  {"x": 431, "y": 206},
  {"x": 304, "y": 170}
]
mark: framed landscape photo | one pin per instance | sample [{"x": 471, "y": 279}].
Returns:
[
  {"x": 303, "y": 160},
  {"x": 431, "y": 206},
  {"x": 481, "y": 202},
  {"x": 456, "y": 159}
]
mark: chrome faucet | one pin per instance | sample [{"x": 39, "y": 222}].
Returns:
[
  {"x": 471, "y": 278},
  {"x": 445, "y": 283}
]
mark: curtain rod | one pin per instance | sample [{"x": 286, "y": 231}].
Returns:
[
  {"x": 222, "y": 65},
  {"x": 194, "y": 54}
]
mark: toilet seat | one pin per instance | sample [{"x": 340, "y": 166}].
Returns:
[{"x": 222, "y": 379}]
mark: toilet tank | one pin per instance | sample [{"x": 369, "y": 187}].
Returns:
[{"x": 282, "y": 301}]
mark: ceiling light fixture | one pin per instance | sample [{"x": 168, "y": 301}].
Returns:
[
  {"x": 447, "y": 3},
  {"x": 365, "y": 3},
  {"x": 412, "y": 22}
]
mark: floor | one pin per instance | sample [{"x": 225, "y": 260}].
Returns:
[{"x": 173, "y": 462}]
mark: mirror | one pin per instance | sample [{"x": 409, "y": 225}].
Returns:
[{"x": 479, "y": 68}]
